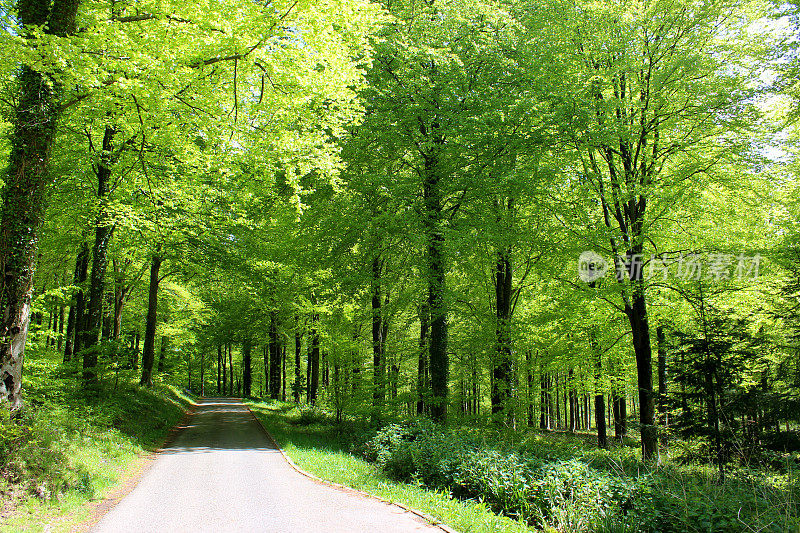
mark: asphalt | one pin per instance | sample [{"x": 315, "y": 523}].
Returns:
[{"x": 222, "y": 474}]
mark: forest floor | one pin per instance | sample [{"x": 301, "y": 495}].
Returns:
[
  {"x": 475, "y": 478},
  {"x": 323, "y": 449},
  {"x": 71, "y": 449}
]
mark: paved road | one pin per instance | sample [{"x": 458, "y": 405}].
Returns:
[{"x": 223, "y": 475}]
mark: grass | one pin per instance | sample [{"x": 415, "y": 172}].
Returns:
[
  {"x": 71, "y": 449},
  {"x": 322, "y": 448},
  {"x": 556, "y": 482}
]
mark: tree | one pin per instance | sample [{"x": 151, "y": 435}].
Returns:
[
  {"x": 25, "y": 189},
  {"x": 651, "y": 112}
]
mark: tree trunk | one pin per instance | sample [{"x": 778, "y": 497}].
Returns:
[
  {"x": 283, "y": 372},
  {"x": 298, "y": 371},
  {"x": 422, "y": 361},
  {"x": 637, "y": 315},
  {"x": 108, "y": 315},
  {"x": 137, "y": 337},
  {"x": 314, "y": 362},
  {"x": 25, "y": 191},
  {"x": 230, "y": 369},
  {"x": 274, "y": 357},
  {"x": 662, "y": 376},
  {"x": 120, "y": 295},
  {"x": 60, "y": 328},
  {"x": 247, "y": 376},
  {"x": 378, "y": 363},
  {"x": 102, "y": 237},
  {"x": 436, "y": 274},
  {"x": 220, "y": 368},
  {"x": 148, "y": 355},
  {"x": 599, "y": 395},
  {"x": 162, "y": 353},
  {"x": 501, "y": 371},
  {"x": 74, "y": 331}
]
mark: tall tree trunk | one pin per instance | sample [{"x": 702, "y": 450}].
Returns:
[
  {"x": 24, "y": 194},
  {"x": 274, "y": 357},
  {"x": 76, "y": 310},
  {"x": 570, "y": 391},
  {"x": 422, "y": 361},
  {"x": 599, "y": 395},
  {"x": 298, "y": 371},
  {"x": 314, "y": 362},
  {"x": 283, "y": 372},
  {"x": 102, "y": 237},
  {"x": 662, "y": 376},
  {"x": 220, "y": 368},
  {"x": 378, "y": 363},
  {"x": 436, "y": 274},
  {"x": 137, "y": 338},
  {"x": 247, "y": 375},
  {"x": 60, "y": 327},
  {"x": 120, "y": 295},
  {"x": 148, "y": 355},
  {"x": 162, "y": 353},
  {"x": 230, "y": 369},
  {"x": 224, "y": 353},
  {"x": 542, "y": 399},
  {"x": 637, "y": 315},
  {"x": 501, "y": 371},
  {"x": 108, "y": 315}
]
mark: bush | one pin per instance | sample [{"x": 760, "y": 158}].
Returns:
[{"x": 597, "y": 490}]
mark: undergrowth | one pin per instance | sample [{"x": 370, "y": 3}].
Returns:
[{"x": 68, "y": 447}]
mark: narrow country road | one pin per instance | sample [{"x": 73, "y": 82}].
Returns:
[{"x": 222, "y": 474}]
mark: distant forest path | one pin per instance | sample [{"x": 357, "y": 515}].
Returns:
[{"x": 222, "y": 473}]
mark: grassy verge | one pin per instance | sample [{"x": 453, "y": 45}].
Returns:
[
  {"x": 322, "y": 448},
  {"x": 70, "y": 449}
]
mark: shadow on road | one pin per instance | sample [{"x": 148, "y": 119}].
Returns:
[{"x": 220, "y": 424}]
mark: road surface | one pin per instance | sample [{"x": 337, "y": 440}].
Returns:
[{"x": 222, "y": 474}]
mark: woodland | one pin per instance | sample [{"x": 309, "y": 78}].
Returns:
[{"x": 542, "y": 256}]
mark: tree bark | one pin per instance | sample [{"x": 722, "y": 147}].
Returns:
[
  {"x": 103, "y": 233},
  {"x": 283, "y": 372},
  {"x": 76, "y": 310},
  {"x": 220, "y": 368},
  {"x": 162, "y": 353},
  {"x": 274, "y": 357},
  {"x": 247, "y": 375},
  {"x": 378, "y": 363},
  {"x": 637, "y": 315},
  {"x": 298, "y": 371},
  {"x": 662, "y": 376},
  {"x": 422, "y": 361},
  {"x": 148, "y": 356},
  {"x": 599, "y": 395},
  {"x": 314, "y": 362},
  {"x": 60, "y": 328},
  {"x": 24, "y": 194},
  {"x": 501, "y": 371},
  {"x": 436, "y": 274},
  {"x": 230, "y": 369}
]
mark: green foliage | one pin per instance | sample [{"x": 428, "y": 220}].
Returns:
[
  {"x": 593, "y": 491},
  {"x": 65, "y": 446}
]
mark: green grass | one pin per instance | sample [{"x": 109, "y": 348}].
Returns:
[
  {"x": 322, "y": 449},
  {"x": 70, "y": 449}
]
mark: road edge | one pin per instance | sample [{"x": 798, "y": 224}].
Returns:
[
  {"x": 129, "y": 481},
  {"x": 428, "y": 518}
]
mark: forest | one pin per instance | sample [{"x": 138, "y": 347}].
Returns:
[{"x": 540, "y": 257}]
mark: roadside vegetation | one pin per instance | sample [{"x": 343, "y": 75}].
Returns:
[
  {"x": 69, "y": 448},
  {"x": 551, "y": 481}
]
